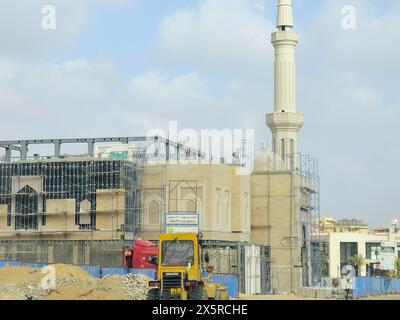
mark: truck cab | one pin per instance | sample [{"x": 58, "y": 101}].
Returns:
[{"x": 142, "y": 255}]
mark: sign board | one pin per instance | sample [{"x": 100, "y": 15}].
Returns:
[
  {"x": 114, "y": 151},
  {"x": 388, "y": 256},
  {"x": 181, "y": 219},
  {"x": 117, "y": 155},
  {"x": 181, "y": 222}
]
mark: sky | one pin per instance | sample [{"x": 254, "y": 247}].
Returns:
[{"x": 123, "y": 67}]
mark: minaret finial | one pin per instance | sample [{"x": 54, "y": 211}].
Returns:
[{"x": 285, "y": 15}]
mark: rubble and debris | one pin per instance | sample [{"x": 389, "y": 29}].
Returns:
[{"x": 71, "y": 283}]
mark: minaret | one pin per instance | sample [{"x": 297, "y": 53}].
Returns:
[{"x": 285, "y": 123}]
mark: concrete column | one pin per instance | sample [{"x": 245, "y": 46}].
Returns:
[
  {"x": 39, "y": 254},
  {"x": 167, "y": 151},
  {"x": 8, "y": 155},
  {"x": 91, "y": 148},
  {"x": 87, "y": 255},
  {"x": 75, "y": 255},
  {"x": 2, "y": 253},
  {"x": 14, "y": 253},
  {"x": 24, "y": 150},
  {"x": 57, "y": 149},
  {"x": 50, "y": 254}
]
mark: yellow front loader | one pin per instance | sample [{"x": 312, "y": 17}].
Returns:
[{"x": 179, "y": 275}]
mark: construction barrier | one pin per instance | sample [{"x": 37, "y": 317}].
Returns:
[
  {"x": 19, "y": 263},
  {"x": 363, "y": 286},
  {"x": 229, "y": 281},
  {"x": 95, "y": 271}
]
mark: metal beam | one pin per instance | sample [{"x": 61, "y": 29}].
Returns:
[
  {"x": 16, "y": 148},
  {"x": 22, "y": 145},
  {"x": 77, "y": 140}
]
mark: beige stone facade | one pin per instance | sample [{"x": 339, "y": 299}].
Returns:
[
  {"x": 277, "y": 220},
  {"x": 223, "y": 199}
]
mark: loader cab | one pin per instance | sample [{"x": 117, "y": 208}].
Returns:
[
  {"x": 179, "y": 265},
  {"x": 179, "y": 252}
]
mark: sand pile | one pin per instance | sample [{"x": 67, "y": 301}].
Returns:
[{"x": 71, "y": 283}]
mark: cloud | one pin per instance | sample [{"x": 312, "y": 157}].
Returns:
[
  {"x": 228, "y": 36},
  {"x": 83, "y": 97},
  {"x": 370, "y": 47},
  {"x": 155, "y": 99},
  {"x": 22, "y": 34},
  {"x": 59, "y": 99},
  {"x": 179, "y": 90},
  {"x": 21, "y": 26}
]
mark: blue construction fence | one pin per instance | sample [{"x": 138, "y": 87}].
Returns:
[
  {"x": 230, "y": 281},
  {"x": 363, "y": 286}
]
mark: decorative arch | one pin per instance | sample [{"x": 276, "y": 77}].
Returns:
[
  {"x": 227, "y": 208},
  {"x": 153, "y": 209},
  {"x": 189, "y": 205},
  {"x": 154, "y": 212},
  {"x": 218, "y": 206},
  {"x": 85, "y": 207},
  {"x": 246, "y": 210}
]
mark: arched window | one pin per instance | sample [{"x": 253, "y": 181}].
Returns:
[
  {"x": 85, "y": 213},
  {"x": 154, "y": 212},
  {"x": 190, "y": 205},
  {"x": 26, "y": 209},
  {"x": 218, "y": 205},
  {"x": 227, "y": 208},
  {"x": 246, "y": 210}
]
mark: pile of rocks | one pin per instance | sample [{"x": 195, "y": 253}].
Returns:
[{"x": 137, "y": 286}]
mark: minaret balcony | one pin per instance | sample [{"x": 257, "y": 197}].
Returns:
[
  {"x": 289, "y": 121},
  {"x": 290, "y": 37}
]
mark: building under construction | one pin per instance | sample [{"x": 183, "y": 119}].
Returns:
[
  {"x": 70, "y": 209},
  {"x": 84, "y": 209}
]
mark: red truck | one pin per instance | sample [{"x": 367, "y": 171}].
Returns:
[{"x": 142, "y": 255}]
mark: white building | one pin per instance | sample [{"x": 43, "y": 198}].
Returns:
[{"x": 344, "y": 245}]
